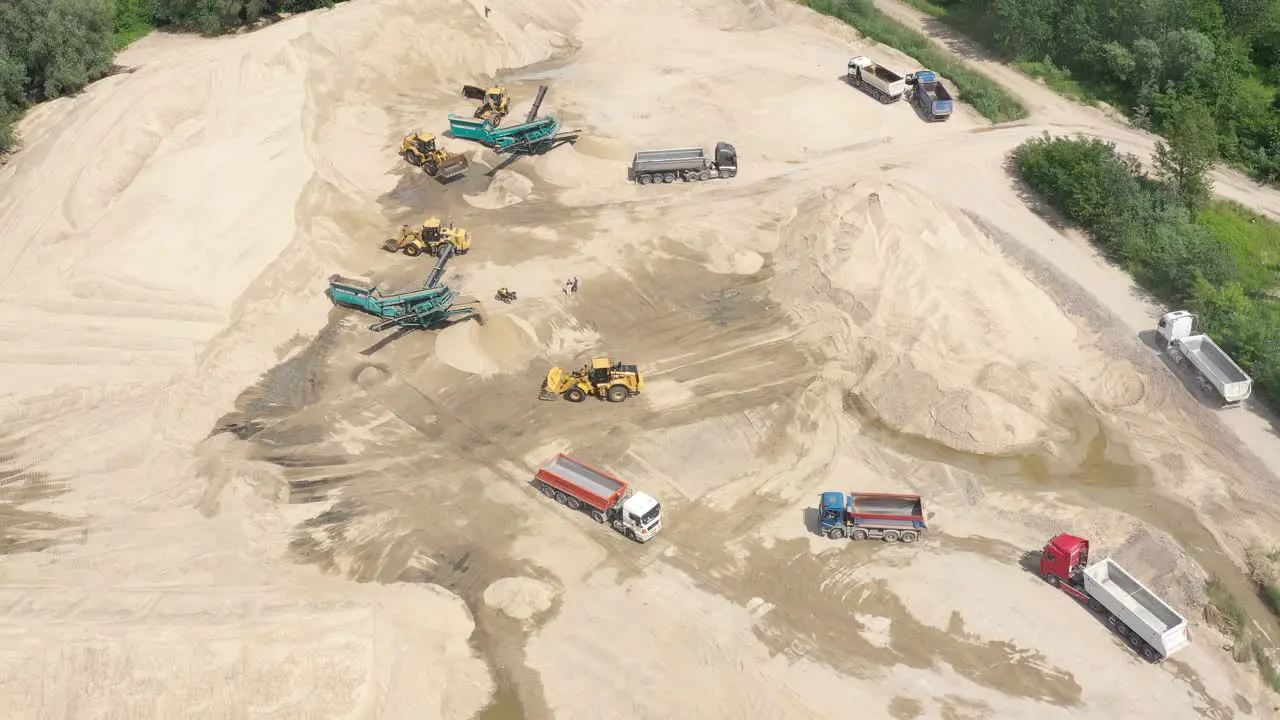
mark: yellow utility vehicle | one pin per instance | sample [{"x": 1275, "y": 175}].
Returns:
[
  {"x": 494, "y": 103},
  {"x": 420, "y": 150},
  {"x": 602, "y": 377},
  {"x": 429, "y": 239}
]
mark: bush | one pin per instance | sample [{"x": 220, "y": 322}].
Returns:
[
  {"x": 1221, "y": 263},
  {"x": 974, "y": 88}
]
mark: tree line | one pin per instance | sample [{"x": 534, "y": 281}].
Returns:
[
  {"x": 52, "y": 48},
  {"x": 1151, "y": 57},
  {"x": 1214, "y": 258}
]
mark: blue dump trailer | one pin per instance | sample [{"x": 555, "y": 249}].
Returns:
[
  {"x": 930, "y": 95},
  {"x": 881, "y": 516}
]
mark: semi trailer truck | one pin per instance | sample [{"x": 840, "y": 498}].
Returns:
[
  {"x": 1214, "y": 368},
  {"x": 1138, "y": 615},
  {"x": 608, "y": 499}
]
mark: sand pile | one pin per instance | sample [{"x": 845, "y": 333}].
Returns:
[
  {"x": 508, "y": 188},
  {"x": 519, "y": 597},
  {"x": 503, "y": 344},
  {"x": 954, "y": 344}
]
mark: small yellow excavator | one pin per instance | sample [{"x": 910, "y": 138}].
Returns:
[
  {"x": 429, "y": 239},
  {"x": 602, "y": 377},
  {"x": 494, "y": 103},
  {"x": 420, "y": 150}
]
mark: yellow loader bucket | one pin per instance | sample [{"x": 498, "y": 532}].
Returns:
[{"x": 552, "y": 384}]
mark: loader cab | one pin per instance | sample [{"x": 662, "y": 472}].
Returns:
[
  {"x": 1064, "y": 557},
  {"x": 601, "y": 371},
  {"x": 495, "y": 97},
  {"x": 426, "y": 144},
  {"x": 1175, "y": 325},
  {"x": 726, "y": 156},
  {"x": 831, "y": 511}
]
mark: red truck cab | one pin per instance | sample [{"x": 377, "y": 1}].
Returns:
[{"x": 1063, "y": 558}]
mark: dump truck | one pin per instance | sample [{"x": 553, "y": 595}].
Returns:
[
  {"x": 878, "y": 81},
  {"x": 1214, "y": 368},
  {"x": 930, "y": 95},
  {"x": 429, "y": 307},
  {"x": 687, "y": 164},
  {"x": 533, "y": 136},
  {"x": 602, "y": 377},
  {"x": 880, "y": 516},
  {"x": 578, "y": 486},
  {"x": 1146, "y": 622}
]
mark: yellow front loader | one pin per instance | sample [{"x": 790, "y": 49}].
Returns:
[
  {"x": 420, "y": 150},
  {"x": 494, "y": 103},
  {"x": 602, "y": 377},
  {"x": 429, "y": 239}
]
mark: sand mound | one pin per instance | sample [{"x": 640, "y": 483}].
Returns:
[
  {"x": 507, "y": 189},
  {"x": 519, "y": 597},
  {"x": 503, "y": 344},
  {"x": 942, "y": 315},
  {"x": 371, "y": 376}
]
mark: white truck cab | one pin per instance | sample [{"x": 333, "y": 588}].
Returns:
[
  {"x": 640, "y": 517},
  {"x": 1175, "y": 325}
]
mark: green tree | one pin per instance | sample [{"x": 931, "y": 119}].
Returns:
[
  {"x": 62, "y": 44},
  {"x": 1184, "y": 159}
]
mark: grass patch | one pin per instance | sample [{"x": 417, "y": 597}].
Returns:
[
  {"x": 1225, "y": 613},
  {"x": 133, "y": 22},
  {"x": 1254, "y": 244},
  {"x": 972, "y": 87}
]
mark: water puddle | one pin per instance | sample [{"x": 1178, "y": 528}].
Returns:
[{"x": 1093, "y": 467}]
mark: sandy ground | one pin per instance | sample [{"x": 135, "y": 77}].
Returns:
[{"x": 224, "y": 497}]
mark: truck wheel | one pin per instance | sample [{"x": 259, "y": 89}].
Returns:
[
  {"x": 546, "y": 490},
  {"x": 908, "y": 536},
  {"x": 412, "y": 250},
  {"x": 891, "y": 536},
  {"x": 562, "y": 498},
  {"x": 646, "y": 179},
  {"x": 597, "y": 516},
  {"x": 859, "y": 535},
  {"x": 704, "y": 175},
  {"x": 1096, "y": 606},
  {"x": 1149, "y": 653},
  {"x": 631, "y": 534},
  {"x": 431, "y": 168},
  {"x": 668, "y": 178},
  {"x": 1054, "y": 580},
  {"x": 617, "y": 394},
  {"x": 573, "y": 502},
  {"x": 691, "y": 176},
  {"x": 1134, "y": 640},
  {"x": 836, "y": 533},
  {"x": 575, "y": 394}
]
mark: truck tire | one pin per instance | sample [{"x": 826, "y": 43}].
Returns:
[
  {"x": 1053, "y": 580},
  {"x": 836, "y": 533},
  {"x": 668, "y": 178},
  {"x": 617, "y": 394},
  {"x": 431, "y": 168},
  {"x": 726, "y": 174},
  {"x": 691, "y": 176},
  {"x": 891, "y": 535},
  {"x": 597, "y": 516},
  {"x": 908, "y": 536},
  {"x": 704, "y": 175},
  {"x": 1149, "y": 653},
  {"x": 1096, "y": 606},
  {"x": 575, "y": 394},
  {"x": 412, "y": 250},
  {"x": 859, "y": 535},
  {"x": 646, "y": 179},
  {"x": 546, "y": 490},
  {"x": 562, "y": 498},
  {"x": 631, "y": 534},
  {"x": 573, "y": 502}
]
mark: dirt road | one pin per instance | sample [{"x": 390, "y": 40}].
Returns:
[{"x": 222, "y": 493}]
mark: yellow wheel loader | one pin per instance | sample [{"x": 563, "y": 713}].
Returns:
[
  {"x": 494, "y": 103},
  {"x": 602, "y": 377},
  {"x": 420, "y": 150},
  {"x": 429, "y": 239}
]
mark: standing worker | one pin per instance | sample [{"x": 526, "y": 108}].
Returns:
[
  {"x": 486, "y": 11},
  {"x": 575, "y": 284}
]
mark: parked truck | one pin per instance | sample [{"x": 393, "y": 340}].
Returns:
[
  {"x": 1145, "y": 621},
  {"x": 1214, "y": 368},
  {"x": 878, "y": 81},
  {"x": 891, "y": 517},
  {"x": 577, "y": 485},
  {"x": 688, "y": 164},
  {"x": 930, "y": 95}
]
